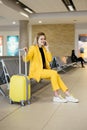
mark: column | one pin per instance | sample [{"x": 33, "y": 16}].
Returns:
[
  {"x": 23, "y": 33},
  {"x": 30, "y": 34}
]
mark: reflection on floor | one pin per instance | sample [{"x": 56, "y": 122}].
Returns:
[{"x": 43, "y": 114}]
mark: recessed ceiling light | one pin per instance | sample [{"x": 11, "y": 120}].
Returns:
[
  {"x": 40, "y": 21},
  {"x": 1, "y": 2},
  {"x": 70, "y": 7},
  {"x": 13, "y": 22},
  {"x": 28, "y": 10},
  {"x": 24, "y": 14},
  {"x": 17, "y": 2}
]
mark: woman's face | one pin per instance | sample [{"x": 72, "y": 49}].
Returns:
[{"x": 41, "y": 40}]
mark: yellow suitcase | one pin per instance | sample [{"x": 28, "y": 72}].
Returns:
[{"x": 20, "y": 89}]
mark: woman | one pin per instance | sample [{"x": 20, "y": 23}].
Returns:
[
  {"x": 74, "y": 58},
  {"x": 40, "y": 57}
]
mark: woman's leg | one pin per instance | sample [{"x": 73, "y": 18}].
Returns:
[
  {"x": 57, "y": 84},
  {"x": 82, "y": 61},
  {"x": 56, "y": 81},
  {"x": 53, "y": 76}
]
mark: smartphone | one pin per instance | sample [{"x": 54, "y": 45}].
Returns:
[{"x": 45, "y": 43}]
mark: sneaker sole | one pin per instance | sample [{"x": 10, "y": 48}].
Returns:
[{"x": 59, "y": 101}]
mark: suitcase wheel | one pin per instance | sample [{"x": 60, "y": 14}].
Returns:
[
  {"x": 28, "y": 102},
  {"x": 11, "y": 102},
  {"x": 22, "y": 103}
]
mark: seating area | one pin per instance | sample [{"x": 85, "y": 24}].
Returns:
[
  {"x": 12, "y": 66},
  {"x": 62, "y": 63}
]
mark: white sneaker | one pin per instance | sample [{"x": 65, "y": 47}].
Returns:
[
  {"x": 59, "y": 99},
  {"x": 71, "y": 99}
]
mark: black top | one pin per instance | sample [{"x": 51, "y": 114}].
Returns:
[
  {"x": 43, "y": 57},
  {"x": 74, "y": 57}
]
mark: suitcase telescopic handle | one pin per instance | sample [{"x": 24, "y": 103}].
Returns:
[{"x": 22, "y": 50}]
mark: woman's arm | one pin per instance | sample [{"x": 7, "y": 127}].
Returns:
[{"x": 29, "y": 55}]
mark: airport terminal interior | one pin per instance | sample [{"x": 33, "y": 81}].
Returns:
[{"x": 65, "y": 24}]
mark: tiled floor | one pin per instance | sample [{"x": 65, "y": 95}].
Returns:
[{"x": 43, "y": 114}]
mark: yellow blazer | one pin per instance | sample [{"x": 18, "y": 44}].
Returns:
[{"x": 36, "y": 65}]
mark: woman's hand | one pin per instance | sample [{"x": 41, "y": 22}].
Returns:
[
  {"x": 46, "y": 45},
  {"x": 25, "y": 49}
]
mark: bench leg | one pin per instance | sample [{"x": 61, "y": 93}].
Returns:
[
  {"x": 60, "y": 69},
  {"x": 2, "y": 92}
]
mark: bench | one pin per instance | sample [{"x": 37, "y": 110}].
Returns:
[{"x": 61, "y": 63}]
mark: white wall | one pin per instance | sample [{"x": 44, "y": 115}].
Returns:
[{"x": 79, "y": 29}]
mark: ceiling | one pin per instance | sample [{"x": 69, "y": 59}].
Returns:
[{"x": 47, "y": 11}]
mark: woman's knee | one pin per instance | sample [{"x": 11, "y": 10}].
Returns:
[{"x": 54, "y": 74}]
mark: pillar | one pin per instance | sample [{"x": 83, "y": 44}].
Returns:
[{"x": 23, "y": 34}]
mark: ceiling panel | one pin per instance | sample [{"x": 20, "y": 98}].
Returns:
[
  {"x": 45, "y": 6},
  {"x": 81, "y": 5}
]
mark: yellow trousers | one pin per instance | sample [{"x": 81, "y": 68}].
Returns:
[{"x": 56, "y": 81}]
